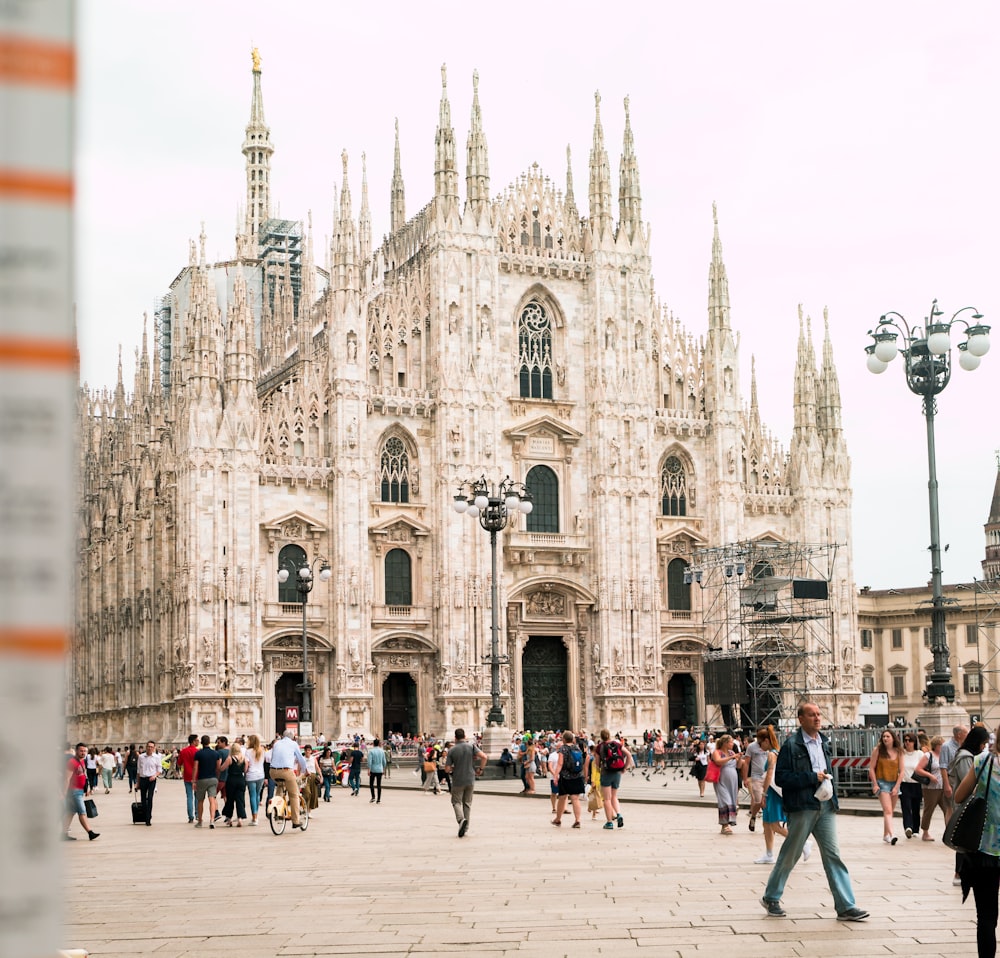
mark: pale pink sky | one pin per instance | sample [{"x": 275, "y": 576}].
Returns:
[{"x": 851, "y": 148}]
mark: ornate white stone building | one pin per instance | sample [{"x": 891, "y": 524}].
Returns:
[{"x": 290, "y": 412}]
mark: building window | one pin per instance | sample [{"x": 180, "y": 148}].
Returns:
[
  {"x": 897, "y": 638},
  {"x": 398, "y": 578},
  {"x": 291, "y": 558},
  {"x": 972, "y": 683},
  {"x": 866, "y": 638},
  {"x": 867, "y": 683},
  {"x": 899, "y": 686},
  {"x": 394, "y": 471},
  {"x": 972, "y": 634},
  {"x": 927, "y": 638},
  {"x": 678, "y": 592},
  {"x": 534, "y": 342},
  {"x": 673, "y": 488},
  {"x": 543, "y": 485}
]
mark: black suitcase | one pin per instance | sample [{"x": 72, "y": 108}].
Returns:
[{"x": 138, "y": 815}]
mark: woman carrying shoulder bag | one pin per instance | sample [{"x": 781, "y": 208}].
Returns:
[{"x": 980, "y": 870}]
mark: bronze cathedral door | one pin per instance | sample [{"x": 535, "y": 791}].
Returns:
[{"x": 543, "y": 679}]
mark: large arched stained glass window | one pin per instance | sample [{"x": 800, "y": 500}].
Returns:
[
  {"x": 292, "y": 558},
  {"x": 394, "y": 471},
  {"x": 673, "y": 487},
  {"x": 398, "y": 578},
  {"x": 534, "y": 343},
  {"x": 543, "y": 485},
  {"x": 678, "y": 591}
]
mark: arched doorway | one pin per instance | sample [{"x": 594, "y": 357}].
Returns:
[
  {"x": 286, "y": 692},
  {"x": 543, "y": 680},
  {"x": 682, "y": 701},
  {"x": 399, "y": 704}
]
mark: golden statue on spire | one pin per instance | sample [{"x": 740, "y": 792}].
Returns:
[{"x": 255, "y": 54}]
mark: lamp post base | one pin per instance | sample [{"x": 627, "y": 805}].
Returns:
[
  {"x": 941, "y": 719},
  {"x": 495, "y": 739}
]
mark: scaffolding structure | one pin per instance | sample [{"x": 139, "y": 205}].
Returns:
[{"x": 769, "y": 627}]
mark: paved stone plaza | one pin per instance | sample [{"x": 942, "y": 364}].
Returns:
[{"x": 395, "y": 879}]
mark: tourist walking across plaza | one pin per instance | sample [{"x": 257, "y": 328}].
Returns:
[
  {"x": 465, "y": 764},
  {"x": 804, "y": 773},
  {"x": 615, "y": 758},
  {"x": 885, "y": 769},
  {"x": 254, "y": 755},
  {"x": 725, "y": 778},
  {"x": 206, "y": 781},
  {"x": 236, "y": 787},
  {"x": 568, "y": 772},
  {"x": 753, "y": 766},
  {"x": 76, "y": 789},
  {"x": 150, "y": 769},
  {"x": 376, "y": 769},
  {"x": 185, "y": 758},
  {"x": 910, "y": 789},
  {"x": 980, "y": 869}
]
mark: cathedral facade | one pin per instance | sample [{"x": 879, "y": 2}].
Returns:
[{"x": 293, "y": 414}]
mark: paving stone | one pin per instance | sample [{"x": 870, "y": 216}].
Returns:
[{"x": 396, "y": 880}]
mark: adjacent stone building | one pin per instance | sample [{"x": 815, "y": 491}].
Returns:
[
  {"x": 895, "y": 635},
  {"x": 290, "y": 412}
]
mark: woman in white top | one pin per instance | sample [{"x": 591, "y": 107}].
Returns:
[
  {"x": 255, "y": 774},
  {"x": 910, "y": 796}
]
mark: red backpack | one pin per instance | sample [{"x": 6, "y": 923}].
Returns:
[{"x": 614, "y": 757}]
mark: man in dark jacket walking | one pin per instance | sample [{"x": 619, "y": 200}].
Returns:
[{"x": 803, "y": 766}]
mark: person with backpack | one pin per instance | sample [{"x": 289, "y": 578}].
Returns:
[
  {"x": 568, "y": 772},
  {"x": 615, "y": 759}
]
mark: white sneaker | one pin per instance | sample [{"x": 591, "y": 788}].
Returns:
[
  {"x": 807, "y": 849},
  {"x": 764, "y": 860}
]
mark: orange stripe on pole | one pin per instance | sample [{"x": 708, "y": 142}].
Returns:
[
  {"x": 37, "y": 63},
  {"x": 34, "y": 643},
  {"x": 38, "y": 352},
  {"x": 48, "y": 187}
]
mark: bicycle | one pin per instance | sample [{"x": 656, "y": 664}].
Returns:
[{"x": 279, "y": 809}]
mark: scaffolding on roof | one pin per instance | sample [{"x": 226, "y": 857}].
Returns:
[{"x": 769, "y": 627}]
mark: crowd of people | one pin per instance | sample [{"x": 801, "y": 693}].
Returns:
[{"x": 790, "y": 786}]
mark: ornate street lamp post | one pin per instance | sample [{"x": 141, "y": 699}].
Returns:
[
  {"x": 493, "y": 504},
  {"x": 304, "y": 581},
  {"x": 927, "y": 362}
]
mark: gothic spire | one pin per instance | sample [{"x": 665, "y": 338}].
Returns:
[
  {"x": 257, "y": 150},
  {"x": 345, "y": 240},
  {"x": 629, "y": 200},
  {"x": 600, "y": 176},
  {"x": 805, "y": 379},
  {"x": 477, "y": 169},
  {"x": 445, "y": 168},
  {"x": 991, "y": 564},
  {"x": 829, "y": 384},
  {"x": 718, "y": 283},
  {"x": 365, "y": 216},
  {"x": 570, "y": 198},
  {"x": 397, "y": 195}
]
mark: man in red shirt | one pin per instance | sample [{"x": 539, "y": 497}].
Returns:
[
  {"x": 76, "y": 788},
  {"x": 185, "y": 758}
]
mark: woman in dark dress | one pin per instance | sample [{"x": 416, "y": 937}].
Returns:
[
  {"x": 236, "y": 786},
  {"x": 132, "y": 766}
]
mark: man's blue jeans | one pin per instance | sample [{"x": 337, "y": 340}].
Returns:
[
  {"x": 189, "y": 792},
  {"x": 821, "y": 823}
]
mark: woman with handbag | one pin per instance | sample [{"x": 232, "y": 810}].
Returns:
[
  {"x": 980, "y": 868},
  {"x": 910, "y": 797},
  {"x": 885, "y": 769},
  {"x": 931, "y": 777},
  {"x": 699, "y": 765},
  {"x": 977, "y": 739},
  {"x": 725, "y": 779}
]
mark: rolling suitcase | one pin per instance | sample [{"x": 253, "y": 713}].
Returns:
[{"x": 138, "y": 815}]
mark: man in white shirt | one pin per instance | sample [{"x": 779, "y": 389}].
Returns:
[
  {"x": 150, "y": 769},
  {"x": 285, "y": 758}
]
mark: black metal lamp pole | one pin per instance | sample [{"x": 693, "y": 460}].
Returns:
[
  {"x": 927, "y": 362},
  {"x": 493, "y": 504},
  {"x": 304, "y": 581}
]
